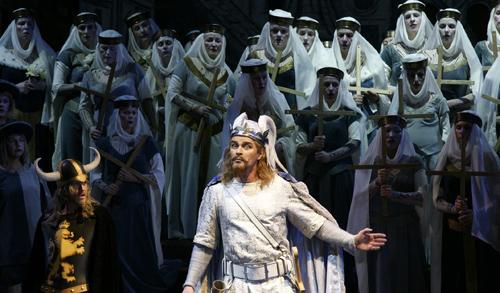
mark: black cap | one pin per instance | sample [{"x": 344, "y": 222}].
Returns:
[
  {"x": 392, "y": 119},
  {"x": 16, "y": 127},
  {"x": 330, "y": 71},
  {"x": 468, "y": 116},
  {"x": 7, "y": 86}
]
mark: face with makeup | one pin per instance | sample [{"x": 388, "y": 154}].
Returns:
[
  {"x": 413, "y": 19},
  {"x": 213, "y": 44},
  {"x": 279, "y": 36},
  {"x": 416, "y": 78},
  {"x": 307, "y": 37},
  {"x": 447, "y": 29}
]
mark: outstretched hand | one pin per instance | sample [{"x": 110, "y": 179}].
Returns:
[{"x": 365, "y": 240}]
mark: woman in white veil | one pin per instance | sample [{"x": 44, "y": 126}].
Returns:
[
  {"x": 413, "y": 28},
  {"x": 128, "y": 80},
  {"x": 191, "y": 158},
  {"x": 476, "y": 212},
  {"x": 294, "y": 56},
  {"x": 460, "y": 61},
  {"x": 27, "y": 61},
  {"x": 484, "y": 49},
  {"x": 403, "y": 222},
  {"x": 73, "y": 60},
  {"x": 167, "y": 52},
  {"x": 142, "y": 31}
]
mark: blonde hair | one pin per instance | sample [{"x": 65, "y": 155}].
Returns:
[
  {"x": 4, "y": 155},
  {"x": 61, "y": 198},
  {"x": 264, "y": 171}
]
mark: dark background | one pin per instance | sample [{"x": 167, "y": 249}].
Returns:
[{"x": 242, "y": 18}]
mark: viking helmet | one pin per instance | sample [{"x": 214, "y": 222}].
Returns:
[{"x": 69, "y": 170}]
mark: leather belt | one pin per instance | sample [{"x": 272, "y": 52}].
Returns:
[
  {"x": 74, "y": 289},
  {"x": 256, "y": 272}
]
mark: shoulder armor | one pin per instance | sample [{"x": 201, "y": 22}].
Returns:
[
  {"x": 215, "y": 180},
  {"x": 287, "y": 177}
]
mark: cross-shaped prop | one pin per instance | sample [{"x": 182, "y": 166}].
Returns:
[
  {"x": 358, "y": 89},
  {"x": 401, "y": 111},
  {"x": 320, "y": 112},
  {"x": 127, "y": 166},
  {"x": 274, "y": 74},
  {"x": 105, "y": 96},
  {"x": 468, "y": 241},
  {"x": 385, "y": 165},
  {"x": 210, "y": 100},
  {"x": 440, "y": 81}
]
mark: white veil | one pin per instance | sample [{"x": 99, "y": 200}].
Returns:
[
  {"x": 374, "y": 63},
  {"x": 74, "y": 42},
  {"x": 134, "y": 48},
  {"x": 198, "y": 50},
  {"x": 424, "y": 31},
  {"x": 360, "y": 206},
  {"x": 461, "y": 43},
  {"x": 305, "y": 74}
]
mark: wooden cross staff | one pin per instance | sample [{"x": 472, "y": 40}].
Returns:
[
  {"x": 105, "y": 96},
  {"x": 274, "y": 74},
  {"x": 127, "y": 166},
  {"x": 494, "y": 48},
  {"x": 159, "y": 81},
  {"x": 320, "y": 112},
  {"x": 440, "y": 81},
  {"x": 385, "y": 165},
  {"x": 358, "y": 89},
  {"x": 496, "y": 102},
  {"x": 210, "y": 100},
  {"x": 468, "y": 241},
  {"x": 401, "y": 107}
]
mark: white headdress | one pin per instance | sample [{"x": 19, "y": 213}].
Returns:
[
  {"x": 460, "y": 44},
  {"x": 486, "y": 109},
  {"x": 74, "y": 42},
  {"x": 490, "y": 29},
  {"x": 304, "y": 70},
  {"x": 10, "y": 40},
  {"x": 360, "y": 206},
  {"x": 374, "y": 63},
  {"x": 177, "y": 55},
  {"x": 198, "y": 50},
  {"x": 415, "y": 99},
  {"x": 120, "y": 139},
  {"x": 345, "y": 99},
  {"x": 122, "y": 56},
  {"x": 485, "y": 190},
  {"x": 320, "y": 56},
  {"x": 424, "y": 31},
  {"x": 134, "y": 48}
]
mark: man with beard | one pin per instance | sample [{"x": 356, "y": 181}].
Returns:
[
  {"x": 74, "y": 248},
  {"x": 249, "y": 206}
]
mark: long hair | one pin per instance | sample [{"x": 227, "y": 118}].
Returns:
[
  {"x": 4, "y": 155},
  {"x": 61, "y": 198},
  {"x": 264, "y": 172}
]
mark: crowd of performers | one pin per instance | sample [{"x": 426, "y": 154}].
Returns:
[{"x": 381, "y": 166}]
